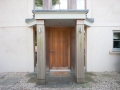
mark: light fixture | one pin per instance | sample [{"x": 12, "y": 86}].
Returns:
[
  {"x": 40, "y": 30},
  {"x": 80, "y": 30}
]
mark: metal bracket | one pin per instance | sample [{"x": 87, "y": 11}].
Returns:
[
  {"x": 40, "y": 30},
  {"x": 80, "y": 30}
]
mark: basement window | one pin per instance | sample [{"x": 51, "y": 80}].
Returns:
[{"x": 116, "y": 40}]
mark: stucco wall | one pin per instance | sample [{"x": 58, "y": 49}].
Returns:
[
  {"x": 106, "y": 14},
  {"x": 14, "y": 13},
  {"x": 16, "y": 39}
]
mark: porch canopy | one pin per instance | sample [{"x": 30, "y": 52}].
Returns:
[
  {"x": 59, "y": 16},
  {"x": 76, "y": 18}
]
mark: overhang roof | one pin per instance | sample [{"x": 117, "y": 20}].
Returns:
[
  {"x": 59, "y": 16},
  {"x": 60, "y": 11}
]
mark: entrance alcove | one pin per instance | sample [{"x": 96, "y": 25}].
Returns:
[{"x": 60, "y": 41}]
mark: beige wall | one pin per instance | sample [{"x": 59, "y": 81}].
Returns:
[
  {"x": 106, "y": 14},
  {"x": 14, "y": 13},
  {"x": 16, "y": 39},
  {"x": 99, "y": 44}
]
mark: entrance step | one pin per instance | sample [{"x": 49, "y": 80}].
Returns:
[
  {"x": 60, "y": 69},
  {"x": 59, "y": 73}
]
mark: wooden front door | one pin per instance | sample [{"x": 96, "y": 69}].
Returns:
[{"x": 59, "y": 42}]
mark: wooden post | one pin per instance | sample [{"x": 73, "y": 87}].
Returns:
[
  {"x": 47, "y": 4},
  {"x": 41, "y": 53},
  {"x": 79, "y": 63},
  {"x": 72, "y": 4}
]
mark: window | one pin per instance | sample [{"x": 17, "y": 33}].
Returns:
[
  {"x": 59, "y": 4},
  {"x": 38, "y": 4},
  {"x": 80, "y": 4},
  {"x": 116, "y": 41}
]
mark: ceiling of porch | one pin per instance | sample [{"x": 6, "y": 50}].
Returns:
[{"x": 60, "y": 22}]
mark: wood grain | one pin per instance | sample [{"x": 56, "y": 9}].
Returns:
[{"x": 59, "y": 47}]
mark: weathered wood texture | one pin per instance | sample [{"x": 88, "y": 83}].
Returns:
[
  {"x": 72, "y": 38},
  {"x": 59, "y": 42},
  {"x": 34, "y": 31},
  {"x": 47, "y": 4},
  {"x": 41, "y": 53},
  {"x": 72, "y": 4},
  {"x": 47, "y": 48},
  {"x": 85, "y": 4},
  {"x": 85, "y": 58},
  {"x": 79, "y": 52}
]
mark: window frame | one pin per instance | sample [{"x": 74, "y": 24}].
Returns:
[
  {"x": 115, "y": 49},
  {"x": 50, "y": 6}
]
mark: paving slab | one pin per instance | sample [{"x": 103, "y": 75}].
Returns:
[
  {"x": 10, "y": 81},
  {"x": 34, "y": 74},
  {"x": 118, "y": 82},
  {"x": 63, "y": 85},
  {"x": 46, "y": 86},
  {"x": 88, "y": 77},
  {"x": 85, "y": 85},
  {"x": 32, "y": 80},
  {"x": 90, "y": 73},
  {"x": 69, "y": 79},
  {"x": 53, "y": 79}
]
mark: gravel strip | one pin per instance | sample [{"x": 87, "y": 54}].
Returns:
[{"x": 103, "y": 81}]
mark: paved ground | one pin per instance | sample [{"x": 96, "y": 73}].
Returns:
[{"x": 93, "y": 81}]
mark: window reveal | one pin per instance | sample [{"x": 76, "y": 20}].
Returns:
[{"x": 116, "y": 40}]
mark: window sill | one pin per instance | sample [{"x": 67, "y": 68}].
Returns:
[{"x": 115, "y": 52}]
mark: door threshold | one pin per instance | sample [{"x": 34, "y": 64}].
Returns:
[{"x": 51, "y": 70}]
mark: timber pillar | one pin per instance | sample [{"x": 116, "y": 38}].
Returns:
[
  {"x": 41, "y": 52},
  {"x": 79, "y": 52}
]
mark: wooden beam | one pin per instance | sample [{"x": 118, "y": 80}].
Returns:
[
  {"x": 41, "y": 53},
  {"x": 79, "y": 68}
]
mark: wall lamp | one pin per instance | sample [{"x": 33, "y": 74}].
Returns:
[{"x": 40, "y": 30}]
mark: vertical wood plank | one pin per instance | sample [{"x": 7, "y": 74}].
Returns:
[
  {"x": 72, "y": 49},
  {"x": 80, "y": 51},
  {"x": 47, "y": 48},
  {"x": 61, "y": 48},
  {"x": 51, "y": 53},
  {"x": 72, "y": 4},
  {"x": 47, "y": 4},
  {"x": 34, "y": 45},
  {"x": 85, "y": 4},
  {"x": 41, "y": 53},
  {"x": 68, "y": 48},
  {"x": 56, "y": 53},
  {"x": 85, "y": 47}
]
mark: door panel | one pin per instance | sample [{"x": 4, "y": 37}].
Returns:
[{"x": 59, "y": 48}]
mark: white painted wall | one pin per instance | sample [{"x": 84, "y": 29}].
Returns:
[
  {"x": 16, "y": 39},
  {"x": 14, "y": 13},
  {"x": 106, "y": 14}
]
